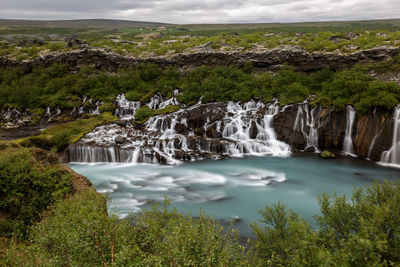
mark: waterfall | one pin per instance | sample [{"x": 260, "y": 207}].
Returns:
[
  {"x": 308, "y": 120},
  {"x": 348, "y": 139},
  {"x": 238, "y": 129},
  {"x": 126, "y": 109},
  {"x": 159, "y": 102},
  {"x": 83, "y": 153},
  {"x": 392, "y": 156},
  {"x": 252, "y": 137}
]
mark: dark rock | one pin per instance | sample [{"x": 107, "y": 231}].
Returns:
[
  {"x": 120, "y": 139},
  {"x": 27, "y": 42},
  {"x": 310, "y": 149},
  {"x": 75, "y": 42},
  {"x": 272, "y": 59},
  {"x": 352, "y": 35},
  {"x": 211, "y": 132},
  {"x": 181, "y": 129},
  {"x": 121, "y": 122},
  {"x": 196, "y": 120},
  {"x": 253, "y": 130}
]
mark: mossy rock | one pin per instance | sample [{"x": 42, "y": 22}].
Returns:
[{"x": 327, "y": 155}]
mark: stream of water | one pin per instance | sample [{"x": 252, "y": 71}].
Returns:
[{"x": 232, "y": 189}]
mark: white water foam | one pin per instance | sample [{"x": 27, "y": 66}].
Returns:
[
  {"x": 348, "y": 148},
  {"x": 391, "y": 157}
]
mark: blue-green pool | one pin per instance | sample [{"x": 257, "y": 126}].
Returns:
[{"x": 232, "y": 189}]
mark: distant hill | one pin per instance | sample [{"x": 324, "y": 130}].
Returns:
[
  {"x": 358, "y": 23},
  {"x": 81, "y": 23}
]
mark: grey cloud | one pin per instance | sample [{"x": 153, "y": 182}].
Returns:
[{"x": 202, "y": 11}]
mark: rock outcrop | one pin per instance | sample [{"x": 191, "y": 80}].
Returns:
[
  {"x": 372, "y": 133},
  {"x": 268, "y": 59}
]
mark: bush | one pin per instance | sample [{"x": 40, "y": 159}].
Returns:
[
  {"x": 30, "y": 181},
  {"x": 362, "y": 231},
  {"x": 55, "y": 86},
  {"x": 80, "y": 233}
]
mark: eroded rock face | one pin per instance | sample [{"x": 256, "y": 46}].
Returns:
[
  {"x": 372, "y": 133},
  {"x": 266, "y": 59}
]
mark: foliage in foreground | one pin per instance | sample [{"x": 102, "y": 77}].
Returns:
[
  {"x": 361, "y": 231},
  {"x": 30, "y": 180},
  {"x": 80, "y": 233}
]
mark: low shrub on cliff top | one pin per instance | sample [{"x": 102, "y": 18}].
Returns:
[{"x": 55, "y": 86}]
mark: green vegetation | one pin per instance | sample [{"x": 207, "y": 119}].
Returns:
[
  {"x": 62, "y": 135},
  {"x": 144, "y": 43},
  {"x": 30, "y": 180},
  {"x": 75, "y": 230},
  {"x": 55, "y": 86},
  {"x": 144, "y": 113},
  {"x": 149, "y": 39},
  {"x": 80, "y": 233},
  {"x": 327, "y": 154},
  {"x": 361, "y": 231}
]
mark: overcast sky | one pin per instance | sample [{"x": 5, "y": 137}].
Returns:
[{"x": 202, "y": 11}]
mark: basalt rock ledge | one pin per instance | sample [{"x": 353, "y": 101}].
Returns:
[{"x": 270, "y": 60}]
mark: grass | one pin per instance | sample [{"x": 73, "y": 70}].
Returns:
[
  {"x": 62, "y": 135},
  {"x": 145, "y": 39}
]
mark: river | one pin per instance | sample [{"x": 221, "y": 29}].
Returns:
[{"x": 232, "y": 189}]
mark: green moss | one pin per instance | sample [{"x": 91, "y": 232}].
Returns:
[
  {"x": 327, "y": 154},
  {"x": 144, "y": 113}
]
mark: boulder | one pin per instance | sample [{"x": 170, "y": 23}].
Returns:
[{"x": 119, "y": 139}]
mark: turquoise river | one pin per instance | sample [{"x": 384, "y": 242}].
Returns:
[{"x": 233, "y": 189}]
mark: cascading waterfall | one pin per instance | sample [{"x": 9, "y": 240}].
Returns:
[
  {"x": 243, "y": 126},
  {"x": 348, "y": 139},
  {"x": 392, "y": 156},
  {"x": 126, "y": 109},
  {"x": 308, "y": 120},
  {"x": 159, "y": 102},
  {"x": 242, "y": 129}
]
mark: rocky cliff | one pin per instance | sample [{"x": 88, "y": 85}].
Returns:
[
  {"x": 229, "y": 129},
  {"x": 372, "y": 133},
  {"x": 268, "y": 59}
]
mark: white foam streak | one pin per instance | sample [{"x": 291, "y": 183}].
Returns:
[{"x": 348, "y": 139}]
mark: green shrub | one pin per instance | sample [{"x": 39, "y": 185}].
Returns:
[
  {"x": 79, "y": 232},
  {"x": 55, "y": 86},
  {"x": 361, "y": 231},
  {"x": 60, "y": 140},
  {"x": 30, "y": 181}
]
